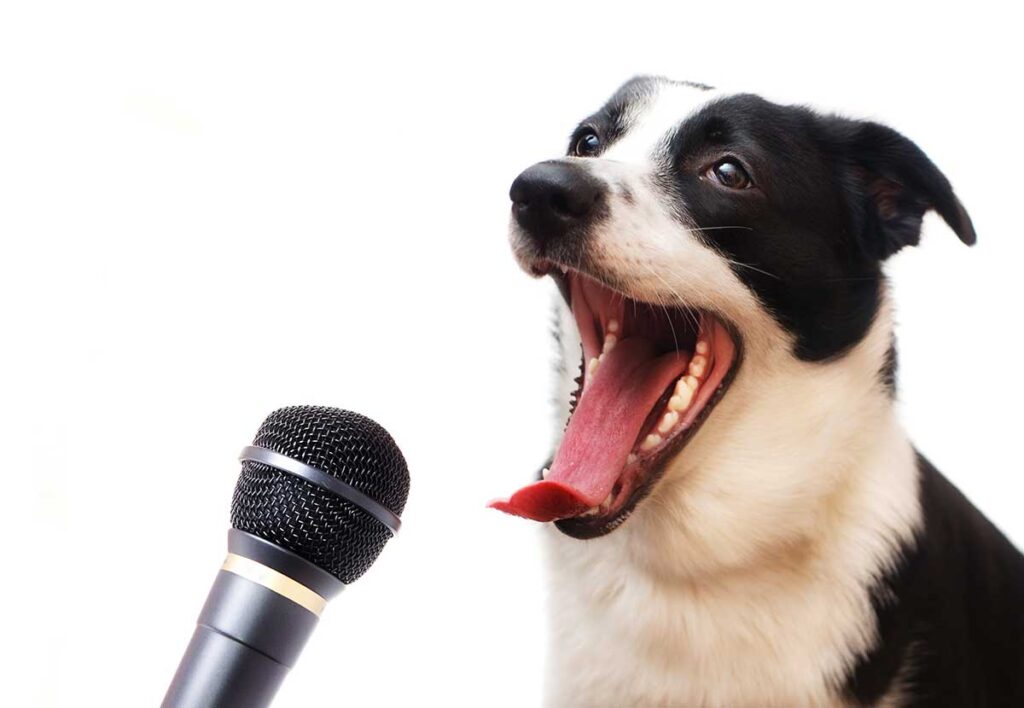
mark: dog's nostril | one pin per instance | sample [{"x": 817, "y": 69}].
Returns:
[{"x": 559, "y": 204}]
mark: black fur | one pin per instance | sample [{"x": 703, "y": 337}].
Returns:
[
  {"x": 889, "y": 368},
  {"x": 833, "y": 198},
  {"x": 951, "y": 615}
]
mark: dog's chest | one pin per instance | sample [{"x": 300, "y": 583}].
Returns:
[{"x": 621, "y": 639}]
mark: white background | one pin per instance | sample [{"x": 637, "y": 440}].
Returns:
[{"x": 209, "y": 210}]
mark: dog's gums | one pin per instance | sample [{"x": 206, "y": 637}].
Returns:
[{"x": 651, "y": 374}]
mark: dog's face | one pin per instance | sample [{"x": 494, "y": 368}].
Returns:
[{"x": 720, "y": 253}]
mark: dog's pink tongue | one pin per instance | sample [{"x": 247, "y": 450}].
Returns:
[{"x": 601, "y": 433}]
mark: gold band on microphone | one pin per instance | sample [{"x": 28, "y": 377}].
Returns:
[{"x": 273, "y": 580}]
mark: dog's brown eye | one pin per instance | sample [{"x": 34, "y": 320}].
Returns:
[
  {"x": 729, "y": 173},
  {"x": 587, "y": 144}
]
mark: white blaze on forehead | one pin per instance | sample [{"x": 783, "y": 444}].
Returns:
[{"x": 653, "y": 121}]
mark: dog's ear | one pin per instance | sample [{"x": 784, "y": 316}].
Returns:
[{"x": 895, "y": 184}]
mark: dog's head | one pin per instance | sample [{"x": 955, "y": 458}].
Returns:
[{"x": 721, "y": 254}]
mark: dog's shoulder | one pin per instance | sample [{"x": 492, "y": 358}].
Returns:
[{"x": 950, "y": 613}]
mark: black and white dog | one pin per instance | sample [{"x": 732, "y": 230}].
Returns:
[{"x": 759, "y": 530}]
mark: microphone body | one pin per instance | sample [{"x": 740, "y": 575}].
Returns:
[{"x": 261, "y": 610}]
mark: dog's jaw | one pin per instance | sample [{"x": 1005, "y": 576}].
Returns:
[{"x": 759, "y": 545}]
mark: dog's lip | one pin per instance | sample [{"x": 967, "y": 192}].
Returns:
[
  {"x": 653, "y": 469},
  {"x": 559, "y": 272}
]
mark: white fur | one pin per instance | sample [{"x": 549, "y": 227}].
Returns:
[
  {"x": 744, "y": 578},
  {"x": 653, "y": 120}
]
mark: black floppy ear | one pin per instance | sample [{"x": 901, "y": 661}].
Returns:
[{"x": 896, "y": 184}]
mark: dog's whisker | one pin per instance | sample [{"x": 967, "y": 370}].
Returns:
[
  {"x": 734, "y": 262},
  {"x": 850, "y": 279},
  {"x": 697, "y": 229},
  {"x": 738, "y": 264},
  {"x": 687, "y": 311}
]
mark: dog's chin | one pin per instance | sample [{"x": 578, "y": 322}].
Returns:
[{"x": 651, "y": 376}]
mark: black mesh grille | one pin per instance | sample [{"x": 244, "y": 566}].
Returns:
[{"x": 317, "y": 525}]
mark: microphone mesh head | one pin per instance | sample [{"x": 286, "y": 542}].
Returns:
[{"x": 295, "y": 514}]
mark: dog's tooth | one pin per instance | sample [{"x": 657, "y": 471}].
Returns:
[
  {"x": 651, "y": 441},
  {"x": 607, "y": 501},
  {"x": 668, "y": 421},
  {"x": 544, "y": 473},
  {"x": 690, "y": 382},
  {"x": 592, "y": 366},
  {"x": 609, "y": 342},
  {"x": 593, "y": 511},
  {"x": 613, "y": 326},
  {"x": 681, "y": 400},
  {"x": 702, "y": 347},
  {"x": 697, "y": 365},
  {"x": 631, "y": 459},
  {"x": 563, "y": 269}
]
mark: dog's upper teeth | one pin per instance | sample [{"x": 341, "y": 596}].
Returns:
[
  {"x": 682, "y": 397},
  {"x": 691, "y": 382},
  {"x": 613, "y": 326},
  {"x": 609, "y": 342},
  {"x": 668, "y": 421},
  {"x": 631, "y": 459},
  {"x": 702, "y": 347},
  {"x": 679, "y": 403},
  {"x": 544, "y": 473},
  {"x": 563, "y": 269},
  {"x": 697, "y": 365}
]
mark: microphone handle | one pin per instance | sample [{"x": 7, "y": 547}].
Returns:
[{"x": 261, "y": 610}]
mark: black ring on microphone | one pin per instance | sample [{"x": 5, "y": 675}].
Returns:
[{"x": 252, "y": 453}]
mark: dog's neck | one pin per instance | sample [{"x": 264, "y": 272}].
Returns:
[{"x": 756, "y": 552}]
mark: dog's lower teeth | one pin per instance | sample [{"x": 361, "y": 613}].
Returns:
[
  {"x": 544, "y": 473},
  {"x": 679, "y": 402},
  {"x": 651, "y": 441},
  {"x": 668, "y": 421}
]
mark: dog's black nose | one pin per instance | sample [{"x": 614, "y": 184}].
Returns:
[{"x": 552, "y": 197}]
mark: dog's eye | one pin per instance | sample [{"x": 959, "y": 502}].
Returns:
[
  {"x": 587, "y": 144},
  {"x": 729, "y": 173}
]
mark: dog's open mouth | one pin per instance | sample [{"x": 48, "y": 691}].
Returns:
[{"x": 651, "y": 375}]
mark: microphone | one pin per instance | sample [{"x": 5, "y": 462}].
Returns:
[{"x": 320, "y": 493}]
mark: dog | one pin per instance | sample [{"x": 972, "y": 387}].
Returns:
[{"x": 739, "y": 518}]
